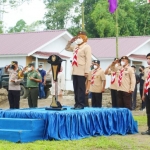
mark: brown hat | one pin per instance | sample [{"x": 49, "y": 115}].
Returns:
[
  {"x": 97, "y": 61},
  {"x": 31, "y": 64},
  {"x": 14, "y": 62},
  {"x": 124, "y": 57},
  {"x": 81, "y": 33}
]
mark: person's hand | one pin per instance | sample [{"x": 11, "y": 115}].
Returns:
[
  {"x": 143, "y": 97},
  {"x": 103, "y": 90},
  {"x": 44, "y": 83},
  {"x": 73, "y": 39},
  {"x": 24, "y": 69},
  {"x": 60, "y": 93},
  {"x": 31, "y": 78},
  {"x": 87, "y": 91},
  {"x": 12, "y": 80},
  {"x": 86, "y": 75},
  {"x": 130, "y": 91}
]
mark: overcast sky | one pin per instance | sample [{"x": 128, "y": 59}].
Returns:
[{"x": 28, "y": 12}]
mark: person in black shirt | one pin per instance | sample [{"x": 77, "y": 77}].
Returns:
[{"x": 141, "y": 78}]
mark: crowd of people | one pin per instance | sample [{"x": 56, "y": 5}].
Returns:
[{"x": 89, "y": 80}]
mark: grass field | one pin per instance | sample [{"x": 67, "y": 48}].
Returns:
[{"x": 115, "y": 142}]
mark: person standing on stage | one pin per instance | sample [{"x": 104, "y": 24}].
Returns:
[
  {"x": 14, "y": 85},
  {"x": 80, "y": 67},
  {"x": 141, "y": 78},
  {"x": 114, "y": 83},
  {"x": 43, "y": 83},
  {"x": 134, "y": 94},
  {"x": 33, "y": 80},
  {"x": 146, "y": 93},
  {"x": 126, "y": 83},
  {"x": 96, "y": 84}
]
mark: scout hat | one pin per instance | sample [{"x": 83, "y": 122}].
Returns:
[
  {"x": 14, "y": 62},
  {"x": 97, "y": 61},
  {"x": 82, "y": 35},
  {"x": 124, "y": 57}
]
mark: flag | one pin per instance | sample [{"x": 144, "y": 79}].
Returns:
[{"x": 113, "y": 4}]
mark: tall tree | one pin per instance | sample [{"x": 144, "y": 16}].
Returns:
[
  {"x": 105, "y": 22},
  {"x": 142, "y": 9},
  {"x": 58, "y": 12},
  {"x": 19, "y": 27}
]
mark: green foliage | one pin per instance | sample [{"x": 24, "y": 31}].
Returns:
[
  {"x": 58, "y": 13},
  {"x": 133, "y": 17},
  {"x": 1, "y": 27},
  {"x": 21, "y": 26}
]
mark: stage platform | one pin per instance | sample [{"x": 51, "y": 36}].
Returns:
[{"x": 73, "y": 124}]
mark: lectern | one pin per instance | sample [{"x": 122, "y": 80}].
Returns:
[{"x": 55, "y": 62}]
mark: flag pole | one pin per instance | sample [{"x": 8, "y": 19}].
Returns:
[{"x": 116, "y": 13}]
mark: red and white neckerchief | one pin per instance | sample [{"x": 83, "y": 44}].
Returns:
[
  {"x": 93, "y": 75},
  {"x": 113, "y": 77},
  {"x": 147, "y": 86},
  {"x": 74, "y": 61},
  {"x": 120, "y": 76}
]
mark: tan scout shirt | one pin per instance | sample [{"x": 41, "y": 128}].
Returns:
[
  {"x": 128, "y": 78},
  {"x": 83, "y": 59},
  {"x": 98, "y": 81},
  {"x": 13, "y": 75}
]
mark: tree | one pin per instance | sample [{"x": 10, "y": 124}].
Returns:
[
  {"x": 58, "y": 13},
  {"x": 105, "y": 22},
  {"x": 11, "y": 4},
  {"x": 19, "y": 27},
  {"x": 1, "y": 27},
  {"x": 142, "y": 9}
]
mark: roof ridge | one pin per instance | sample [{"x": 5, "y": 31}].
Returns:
[
  {"x": 33, "y": 32},
  {"x": 120, "y": 37}
]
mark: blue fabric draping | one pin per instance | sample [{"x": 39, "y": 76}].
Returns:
[{"x": 76, "y": 124}]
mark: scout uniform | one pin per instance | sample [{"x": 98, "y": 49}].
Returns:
[
  {"x": 33, "y": 87},
  {"x": 113, "y": 87},
  {"x": 147, "y": 97},
  {"x": 80, "y": 65},
  {"x": 126, "y": 83},
  {"x": 96, "y": 78},
  {"x": 14, "y": 87}
]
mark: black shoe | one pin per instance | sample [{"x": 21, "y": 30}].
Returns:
[
  {"x": 79, "y": 107},
  {"x": 146, "y": 132}
]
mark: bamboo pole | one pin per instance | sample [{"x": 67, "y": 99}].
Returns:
[{"x": 117, "y": 49}]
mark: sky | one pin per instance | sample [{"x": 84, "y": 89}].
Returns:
[{"x": 29, "y": 12}]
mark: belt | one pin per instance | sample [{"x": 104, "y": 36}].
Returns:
[{"x": 32, "y": 88}]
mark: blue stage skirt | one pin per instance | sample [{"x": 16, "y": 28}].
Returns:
[{"x": 76, "y": 124}]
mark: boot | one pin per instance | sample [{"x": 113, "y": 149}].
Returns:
[{"x": 146, "y": 132}]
